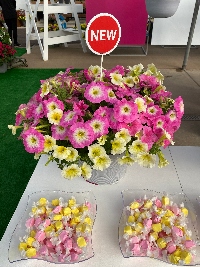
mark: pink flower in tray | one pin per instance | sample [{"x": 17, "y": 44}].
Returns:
[
  {"x": 81, "y": 135},
  {"x": 33, "y": 141},
  {"x": 125, "y": 111}
]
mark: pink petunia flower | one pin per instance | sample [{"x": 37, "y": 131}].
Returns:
[
  {"x": 38, "y": 111},
  {"x": 80, "y": 107},
  {"x": 68, "y": 118},
  {"x": 53, "y": 103},
  {"x": 133, "y": 127},
  {"x": 95, "y": 92},
  {"x": 20, "y": 114},
  {"x": 118, "y": 70},
  {"x": 148, "y": 81},
  {"x": 125, "y": 111},
  {"x": 102, "y": 112},
  {"x": 153, "y": 111},
  {"x": 33, "y": 141},
  {"x": 110, "y": 95},
  {"x": 148, "y": 136},
  {"x": 179, "y": 107},
  {"x": 99, "y": 125},
  {"x": 59, "y": 132},
  {"x": 81, "y": 135}
]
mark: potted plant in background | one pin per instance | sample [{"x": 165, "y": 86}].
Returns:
[
  {"x": 161, "y": 8},
  {"x": 21, "y": 17},
  {"x": 87, "y": 120},
  {"x": 2, "y": 21},
  {"x": 7, "y": 53}
]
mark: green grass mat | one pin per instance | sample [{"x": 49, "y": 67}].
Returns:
[
  {"x": 16, "y": 165},
  {"x": 20, "y": 51}
]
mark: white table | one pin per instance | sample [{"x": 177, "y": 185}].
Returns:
[{"x": 182, "y": 175}]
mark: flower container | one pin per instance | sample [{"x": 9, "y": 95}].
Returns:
[
  {"x": 3, "y": 68},
  {"x": 111, "y": 175},
  {"x": 161, "y": 8}
]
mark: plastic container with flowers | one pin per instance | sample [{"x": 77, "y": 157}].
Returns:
[
  {"x": 81, "y": 119},
  {"x": 6, "y": 51}
]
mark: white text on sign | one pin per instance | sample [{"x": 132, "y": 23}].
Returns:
[{"x": 102, "y": 35}]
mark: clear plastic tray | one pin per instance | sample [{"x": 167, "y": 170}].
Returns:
[
  {"x": 129, "y": 196},
  {"x": 20, "y": 230}
]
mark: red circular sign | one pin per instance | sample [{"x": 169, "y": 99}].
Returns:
[{"x": 103, "y": 33}]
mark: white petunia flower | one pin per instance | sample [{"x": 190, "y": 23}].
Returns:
[
  {"x": 96, "y": 151},
  {"x": 71, "y": 171},
  {"x": 116, "y": 78},
  {"x": 146, "y": 160},
  {"x": 140, "y": 104},
  {"x": 61, "y": 152},
  {"x": 118, "y": 146},
  {"x": 102, "y": 162},
  {"x": 73, "y": 154},
  {"x": 123, "y": 133},
  {"x": 129, "y": 81},
  {"x": 49, "y": 143},
  {"x": 55, "y": 116},
  {"x": 86, "y": 171},
  {"x": 138, "y": 147}
]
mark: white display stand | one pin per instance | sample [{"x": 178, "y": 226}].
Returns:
[
  {"x": 181, "y": 175},
  {"x": 52, "y": 37},
  {"x": 175, "y": 30}
]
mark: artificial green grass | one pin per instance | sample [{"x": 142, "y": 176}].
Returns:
[
  {"x": 20, "y": 51},
  {"x": 16, "y": 165}
]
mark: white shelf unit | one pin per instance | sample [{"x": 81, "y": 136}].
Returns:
[{"x": 47, "y": 38}]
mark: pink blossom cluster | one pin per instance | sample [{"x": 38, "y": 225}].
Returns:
[
  {"x": 58, "y": 231},
  {"x": 77, "y": 109},
  {"x": 159, "y": 228}
]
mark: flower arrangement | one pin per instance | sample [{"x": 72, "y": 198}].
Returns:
[
  {"x": 80, "y": 119},
  {"x": 6, "y": 50},
  {"x": 21, "y": 15},
  {"x": 51, "y": 27}
]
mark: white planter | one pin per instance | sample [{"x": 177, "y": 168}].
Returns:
[
  {"x": 3, "y": 68},
  {"x": 111, "y": 175},
  {"x": 161, "y": 8}
]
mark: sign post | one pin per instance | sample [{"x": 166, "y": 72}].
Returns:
[{"x": 103, "y": 34}]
